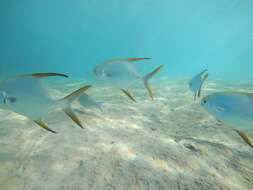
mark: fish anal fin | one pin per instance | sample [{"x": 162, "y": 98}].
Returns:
[
  {"x": 245, "y": 138},
  {"x": 40, "y": 123},
  {"x": 73, "y": 116},
  {"x": 149, "y": 76},
  {"x": 43, "y": 75},
  {"x": 127, "y": 93}
]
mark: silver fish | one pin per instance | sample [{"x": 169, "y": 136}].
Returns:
[
  {"x": 26, "y": 95},
  {"x": 196, "y": 83},
  {"x": 122, "y": 73},
  {"x": 232, "y": 108}
]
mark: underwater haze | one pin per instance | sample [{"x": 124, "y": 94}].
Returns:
[
  {"x": 126, "y": 94},
  {"x": 73, "y": 36}
]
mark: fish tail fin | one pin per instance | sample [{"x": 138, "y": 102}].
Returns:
[
  {"x": 148, "y": 77},
  {"x": 69, "y": 99},
  {"x": 203, "y": 72},
  {"x": 203, "y": 80},
  {"x": 76, "y": 94}
]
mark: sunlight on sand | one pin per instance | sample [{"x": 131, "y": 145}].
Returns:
[{"x": 169, "y": 143}]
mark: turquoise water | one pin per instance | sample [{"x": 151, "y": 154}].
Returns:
[
  {"x": 166, "y": 144},
  {"x": 73, "y": 36}
]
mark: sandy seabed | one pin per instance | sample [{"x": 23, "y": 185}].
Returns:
[{"x": 166, "y": 144}]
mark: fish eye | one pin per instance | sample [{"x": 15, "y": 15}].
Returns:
[
  {"x": 204, "y": 101},
  {"x": 12, "y": 100}
]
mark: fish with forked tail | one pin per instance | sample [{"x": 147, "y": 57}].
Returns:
[
  {"x": 25, "y": 95},
  {"x": 197, "y": 82},
  {"x": 122, "y": 73}
]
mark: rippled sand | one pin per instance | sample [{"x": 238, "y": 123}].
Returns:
[{"x": 170, "y": 143}]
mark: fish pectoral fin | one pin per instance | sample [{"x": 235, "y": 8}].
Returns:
[
  {"x": 127, "y": 93},
  {"x": 245, "y": 138},
  {"x": 43, "y": 75},
  {"x": 40, "y": 123},
  {"x": 73, "y": 116}
]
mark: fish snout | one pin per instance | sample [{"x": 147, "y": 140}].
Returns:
[
  {"x": 98, "y": 72},
  {"x": 94, "y": 71}
]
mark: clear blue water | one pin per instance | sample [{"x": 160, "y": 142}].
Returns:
[
  {"x": 72, "y": 36},
  {"x": 170, "y": 143}
]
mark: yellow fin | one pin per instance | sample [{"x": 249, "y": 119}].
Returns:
[
  {"x": 150, "y": 92},
  {"x": 70, "y": 98},
  {"x": 203, "y": 80},
  {"x": 128, "y": 94},
  {"x": 245, "y": 138},
  {"x": 43, "y": 75},
  {"x": 40, "y": 123},
  {"x": 72, "y": 116},
  {"x": 137, "y": 59},
  {"x": 199, "y": 93},
  {"x": 76, "y": 94},
  {"x": 146, "y": 80}
]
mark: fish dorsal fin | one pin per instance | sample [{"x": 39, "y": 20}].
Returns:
[
  {"x": 125, "y": 60},
  {"x": 43, "y": 75},
  {"x": 71, "y": 97},
  {"x": 132, "y": 59}
]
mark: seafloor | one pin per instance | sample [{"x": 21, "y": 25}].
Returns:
[{"x": 166, "y": 144}]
